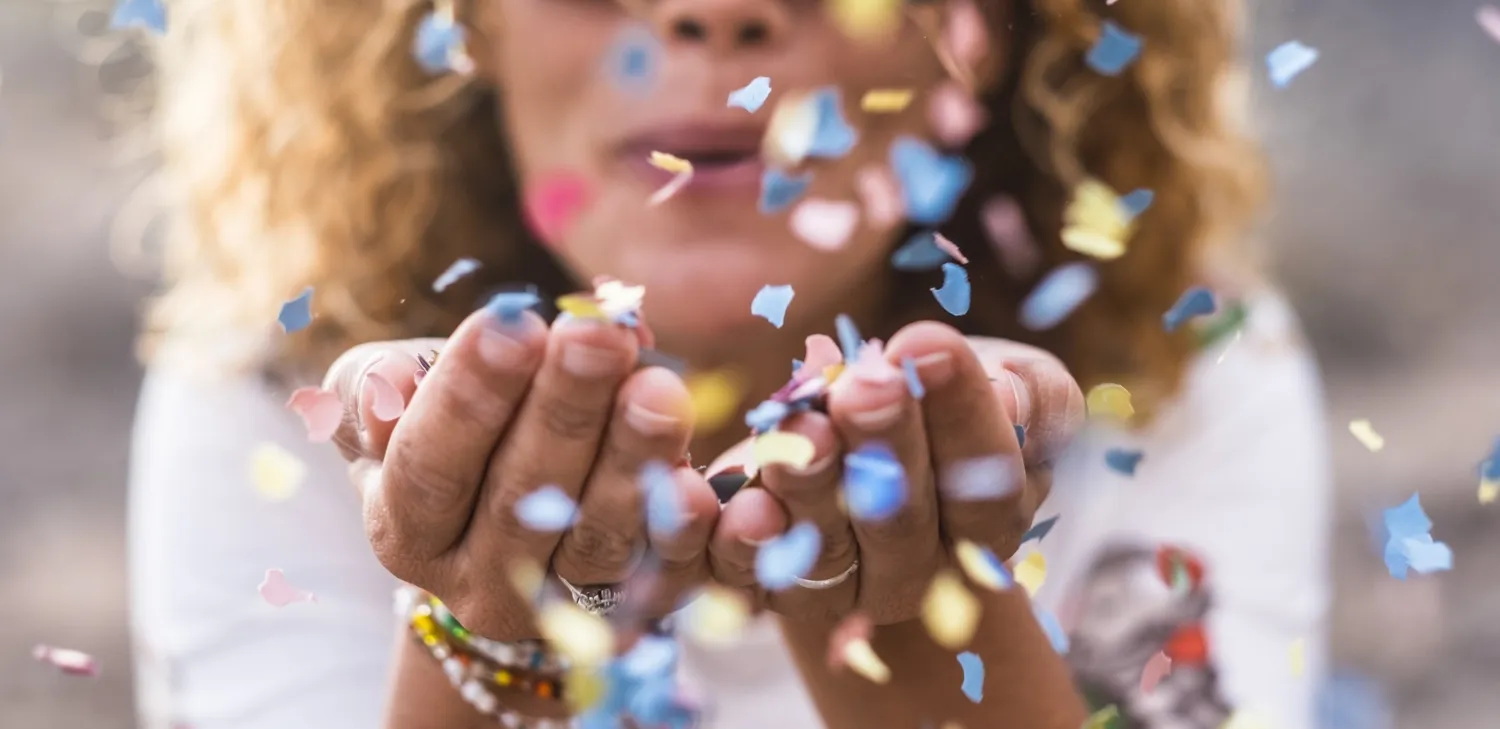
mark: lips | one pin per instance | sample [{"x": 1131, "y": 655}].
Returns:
[{"x": 722, "y": 155}]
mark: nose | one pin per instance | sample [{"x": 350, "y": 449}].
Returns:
[{"x": 722, "y": 25}]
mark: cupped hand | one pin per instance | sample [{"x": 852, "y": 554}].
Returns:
[
  {"x": 967, "y": 474},
  {"x": 509, "y": 407}
]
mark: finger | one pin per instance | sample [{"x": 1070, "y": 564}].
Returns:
[
  {"x": 871, "y": 406},
  {"x": 812, "y": 495},
  {"x": 651, "y": 422},
  {"x": 975, "y": 454},
  {"x": 1038, "y": 393},
  {"x": 361, "y": 433},
  {"x": 753, "y": 517},
  {"x": 681, "y": 549},
  {"x": 439, "y": 450},
  {"x": 555, "y": 436}
]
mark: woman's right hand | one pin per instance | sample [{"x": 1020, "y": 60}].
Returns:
[{"x": 512, "y": 406}]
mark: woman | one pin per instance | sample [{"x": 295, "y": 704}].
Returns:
[{"x": 310, "y": 148}]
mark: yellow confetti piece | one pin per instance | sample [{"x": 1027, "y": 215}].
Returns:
[
  {"x": 585, "y": 639},
  {"x": 950, "y": 611},
  {"x": 1297, "y": 656},
  {"x": 885, "y": 101},
  {"x": 1096, "y": 223},
  {"x": 1101, "y": 719},
  {"x": 1091, "y": 243},
  {"x": 715, "y": 397},
  {"x": 1365, "y": 433},
  {"x": 1110, "y": 401},
  {"x": 586, "y": 687},
  {"x": 978, "y": 565},
  {"x": 671, "y": 163},
  {"x": 581, "y": 306},
  {"x": 1488, "y": 491},
  {"x": 717, "y": 618},
  {"x": 860, "y": 657},
  {"x": 789, "y": 136},
  {"x": 780, "y": 447},
  {"x": 832, "y": 372},
  {"x": 276, "y": 473},
  {"x": 526, "y": 577},
  {"x": 1032, "y": 572},
  {"x": 867, "y": 19}
]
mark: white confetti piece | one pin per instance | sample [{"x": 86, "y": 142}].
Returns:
[{"x": 825, "y": 224}]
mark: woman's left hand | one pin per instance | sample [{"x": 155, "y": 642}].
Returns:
[{"x": 968, "y": 477}]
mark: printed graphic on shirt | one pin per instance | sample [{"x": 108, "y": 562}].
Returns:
[{"x": 1139, "y": 643}]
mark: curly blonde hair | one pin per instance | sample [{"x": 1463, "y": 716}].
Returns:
[{"x": 304, "y": 147}]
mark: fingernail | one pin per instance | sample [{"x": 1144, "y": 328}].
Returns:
[
  {"x": 816, "y": 467},
  {"x": 879, "y": 418},
  {"x": 1023, "y": 398},
  {"x": 582, "y": 360},
  {"x": 649, "y": 422},
  {"x": 364, "y": 395},
  {"x": 875, "y": 371},
  {"x": 751, "y": 542},
  {"x": 936, "y": 368}
]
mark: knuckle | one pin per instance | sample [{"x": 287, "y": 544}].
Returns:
[
  {"x": 426, "y": 491},
  {"x": 902, "y": 525},
  {"x": 570, "y": 420},
  {"x": 600, "y": 544}
]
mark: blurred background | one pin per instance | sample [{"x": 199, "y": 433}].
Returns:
[{"x": 1386, "y": 232}]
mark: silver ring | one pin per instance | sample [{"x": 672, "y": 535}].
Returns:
[
  {"x": 600, "y": 600},
  {"x": 831, "y": 582}
]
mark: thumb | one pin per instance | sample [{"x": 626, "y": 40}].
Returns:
[
  {"x": 1037, "y": 392},
  {"x": 366, "y": 428}
]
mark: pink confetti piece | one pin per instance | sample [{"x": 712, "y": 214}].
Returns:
[
  {"x": 1005, "y": 222},
  {"x": 949, "y": 247},
  {"x": 552, "y": 206},
  {"x": 70, "y": 662},
  {"x": 386, "y": 402},
  {"x": 277, "y": 592},
  {"x": 1489, "y": 19},
  {"x": 670, "y": 190},
  {"x": 964, "y": 33},
  {"x": 320, "y": 410},
  {"x": 880, "y": 196},
  {"x": 1157, "y": 668},
  {"x": 955, "y": 116},
  {"x": 825, "y": 224},
  {"x": 856, "y": 627}
]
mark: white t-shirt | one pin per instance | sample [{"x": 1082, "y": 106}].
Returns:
[{"x": 1235, "y": 472}]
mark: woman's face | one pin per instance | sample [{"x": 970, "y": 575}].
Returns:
[{"x": 703, "y": 254}]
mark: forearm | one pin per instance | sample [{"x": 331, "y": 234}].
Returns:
[
  {"x": 421, "y": 696},
  {"x": 1026, "y": 682}
]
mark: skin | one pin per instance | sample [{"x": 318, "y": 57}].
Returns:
[{"x": 510, "y": 407}]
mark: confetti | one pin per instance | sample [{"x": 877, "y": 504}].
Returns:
[
  {"x": 920, "y": 253},
  {"x": 880, "y": 196},
  {"x": 986, "y": 478},
  {"x": 546, "y": 510},
  {"x": 1138, "y": 201},
  {"x": 439, "y": 43},
  {"x": 715, "y": 396},
  {"x": 950, "y": 611},
  {"x": 553, "y": 204},
  {"x": 832, "y": 136},
  {"x": 931, "y": 183},
  {"x": 1409, "y": 543},
  {"x": 579, "y": 636},
  {"x": 1196, "y": 301},
  {"x": 296, "y": 314},
  {"x": 982, "y": 566},
  {"x": 866, "y": 20},
  {"x": 792, "y": 555},
  {"x": 1052, "y": 628},
  {"x": 633, "y": 59},
  {"x": 386, "y": 402},
  {"x": 1096, "y": 223},
  {"x": 779, "y": 190},
  {"x": 507, "y": 306},
  {"x": 874, "y": 483},
  {"x": 680, "y": 168},
  {"x": 321, "y": 412},
  {"x": 1488, "y": 17},
  {"x": 973, "y": 667},
  {"x": 955, "y": 295},
  {"x": 665, "y": 513},
  {"x": 849, "y": 340},
  {"x": 1157, "y": 668},
  {"x": 949, "y": 247},
  {"x": 771, "y": 302},
  {"x": 1297, "y": 657},
  {"x": 1288, "y": 60},
  {"x": 1115, "y": 49},
  {"x": 1365, "y": 433},
  {"x": 855, "y": 626},
  {"x": 1005, "y": 223},
  {"x": 1489, "y": 476},
  {"x": 790, "y": 133},
  {"x": 70, "y": 662},
  {"x": 279, "y": 593},
  {"x": 148, "y": 14},
  {"x": 825, "y": 224},
  {"x": 913, "y": 380},
  {"x": 1040, "y": 530},
  {"x": 1109, "y": 400},
  {"x": 1031, "y": 572},
  {"x": 1058, "y": 295},
  {"x": 1020, "y": 435},
  {"x": 782, "y": 448},
  {"x": 954, "y": 115},
  {"x": 1123, "y": 461},
  {"x": 751, "y": 96},
  {"x": 860, "y": 657},
  {"x": 717, "y": 617},
  {"x": 964, "y": 33},
  {"x": 885, "y": 101},
  {"x": 275, "y": 472},
  {"x": 460, "y": 268},
  {"x": 767, "y": 415},
  {"x": 1103, "y": 718}
]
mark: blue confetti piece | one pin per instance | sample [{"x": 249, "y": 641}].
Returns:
[
  {"x": 1040, "y": 530},
  {"x": 920, "y": 253},
  {"x": 664, "y": 510},
  {"x": 546, "y": 509},
  {"x": 779, "y": 190},
  {"x": 874, "y": 483},
  {"x": 783, "y": 559},
  {"x": 1287, "y": 60},
  {"x": 1054, "y": 630},
  {"x": 1138, "y": 201},
  {"x": 1407, "y": 519},
  {"x": 796, "y": 365},
  {"x": 438, "y": 38},
  {"x": 973, "y": 666},
  {"x": 1196, "y": 301},
  {"x": 1123, "y": 461},
  {"x": 913, "y": 380},
  {"x": 767, "y": 415},
  {"x": 1409, "y": 544},
  {"x": 931, "y": 183},
  {"x": 1489, "y": 470},
  {"x": 849, "y": 339},
  {"x": 1115, "y": 49},
  {"x": 507, "y": 306},
  {"x": 752, "y": 96},
  {"x": 1020, "y": 436},
  {"x": 1058, "y": 295},
  {"x": 1425, "y": 555},
  {"x": 296, "y": 314},
  {"x": 634, "y": 59},
  {"x": 771, "y": 302},
  {"x": 148, "y": 14},
  {"x": 832, "y": 136},
  {"x": 955, "y": 294},
  {"x": 460, "y": 268},
  {"x": 1350, "y": 701}
]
